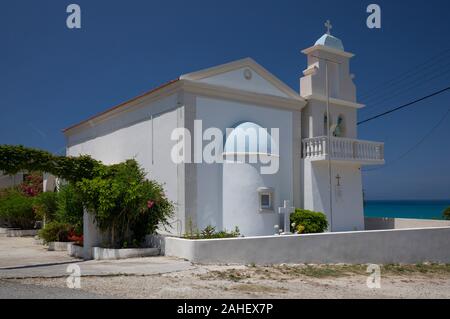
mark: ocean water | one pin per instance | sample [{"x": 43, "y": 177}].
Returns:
[{"x": 420, "y": 209}]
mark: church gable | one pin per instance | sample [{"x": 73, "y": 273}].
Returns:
[{"x": 244, "y": 75}]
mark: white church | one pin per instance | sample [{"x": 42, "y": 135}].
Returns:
[{"x": 313, "y": 161}]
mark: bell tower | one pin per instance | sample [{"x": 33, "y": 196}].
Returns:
[
  {"x": 327, "y": 58},
  {"x": 331, "y": 153}
]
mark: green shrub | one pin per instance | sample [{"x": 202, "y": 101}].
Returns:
[
  {"x": 209, "y": 232},
  {"x": 45, "y": 205},
  {"x": 70, "y": 207},
  {"x": 16, "y": 209},
  {"x": 311, "y": 221},
  {"x": 55, "y": 231},
  {"x": 446, "y": 213}
]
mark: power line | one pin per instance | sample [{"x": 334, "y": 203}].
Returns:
[
  {"x": 408, "y": 74},
  {"x": 423, "y": 139},
  {"x": 403, "y": 106},
  {"x": 414, "y": 83},
  {"x": 375, "y": 109}
]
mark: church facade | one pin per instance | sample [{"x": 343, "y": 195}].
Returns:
[{"x": 306, "y": 152}]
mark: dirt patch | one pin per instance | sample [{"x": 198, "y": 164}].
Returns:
[
  {"x": 258, "y": 288},
  {"x": 284, "y": 281}
]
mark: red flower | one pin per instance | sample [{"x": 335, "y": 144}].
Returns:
[
  {"x": 77, "y": 239},
  {"x": 150, "y": 204}
]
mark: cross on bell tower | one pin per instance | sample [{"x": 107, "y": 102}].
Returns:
[{"x": 328, "y": 26}]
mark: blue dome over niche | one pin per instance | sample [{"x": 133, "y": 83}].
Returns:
[
  {"x": 249, "y": 138},
  {"x": 330, "y": 41}
]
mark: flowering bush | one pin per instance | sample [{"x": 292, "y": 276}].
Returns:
[
  {"x": 32, "y": 184},
  {"x": 124, "y": 203},
  {"x": 75, "y": 238}
]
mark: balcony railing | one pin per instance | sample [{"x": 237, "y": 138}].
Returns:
[{"x": 344, "y": 149}]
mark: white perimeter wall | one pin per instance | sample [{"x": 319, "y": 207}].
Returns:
[{"x": 408, "y": 246}]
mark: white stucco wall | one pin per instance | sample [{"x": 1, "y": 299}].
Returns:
[
  {"x": 143, "y": 134},
  {"x": 235, "y": 79},
  {"x": 241, "y": 201},
  {"x": 340, "y": 80},
  {"x": 313, "y": 119},
  {"x": 210, "y": 202},
  {"x": 347, "y": 199}
]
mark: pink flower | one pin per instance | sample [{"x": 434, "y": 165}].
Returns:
[{"x": 150, "y": 204}]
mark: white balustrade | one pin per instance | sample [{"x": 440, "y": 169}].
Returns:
[{"x": 343, "y": 149}]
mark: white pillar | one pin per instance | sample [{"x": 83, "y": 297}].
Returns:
[{"x": 91, "y": 235}]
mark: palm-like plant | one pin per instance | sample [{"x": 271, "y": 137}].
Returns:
[{"x": 446, "y": 213}]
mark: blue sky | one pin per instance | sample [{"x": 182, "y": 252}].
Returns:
[{"x": 52, "y": 77}]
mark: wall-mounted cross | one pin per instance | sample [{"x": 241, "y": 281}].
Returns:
[
  {"x": 328, "y": 26},
  {"x": 338, "y": 177}
]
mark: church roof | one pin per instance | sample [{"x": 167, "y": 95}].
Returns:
[
  {"x": 122, "y": 104},
  {"x": 194, "y": 77},
  {"x": 330, "y": 41}
]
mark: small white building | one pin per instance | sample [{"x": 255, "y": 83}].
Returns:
[{"x": 244, "y": 183}]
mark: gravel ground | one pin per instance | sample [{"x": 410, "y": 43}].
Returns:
[
  {"x": 14, "y": 290},
  {"x": 263, "y": 282}
]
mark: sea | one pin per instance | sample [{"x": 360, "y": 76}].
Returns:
[{"x": 417, "y": 209}]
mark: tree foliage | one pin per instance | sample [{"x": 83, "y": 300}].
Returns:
[
  {"x": 124, "y": 203},
  {"x": 45, "y": 205},
  {"x": 70, "y": 207},
  {"x": 14, "y": 159}
]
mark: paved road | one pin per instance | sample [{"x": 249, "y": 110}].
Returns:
[
  {"x": 20, "y": 258},
  {"x": 21, "y": 251},
  {"x": 134, "y": 266},
  {"x": 10, "y": 290}
]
